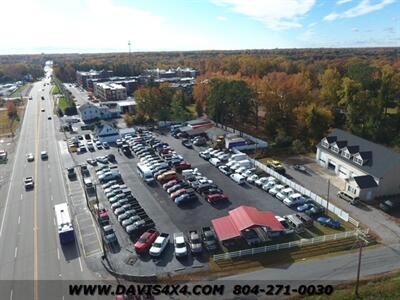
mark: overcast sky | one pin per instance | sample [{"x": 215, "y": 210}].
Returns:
[{"x": 55, "y": 26}]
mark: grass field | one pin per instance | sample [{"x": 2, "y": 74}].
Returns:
[
  {"x": 56, "y": 90},
  {"x": 379, "y": 287},
  {"x": 64, "y": 103},
  {"x": 258, "y": 262}
]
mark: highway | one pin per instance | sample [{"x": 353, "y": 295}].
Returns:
[{"x": 29, "y": 245}]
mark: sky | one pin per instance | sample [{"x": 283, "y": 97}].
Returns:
[{"x": 88, "y": 26}]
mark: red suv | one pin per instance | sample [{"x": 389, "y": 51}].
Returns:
[
  {"x": 146, "y": 240},
  {"x": 183, "y": 166},
  {"x": 214, "y": 198}
]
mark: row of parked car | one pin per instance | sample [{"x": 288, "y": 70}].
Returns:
[
  {"x": 84, "y": 143},
  {"x": 125, "y": 206},
  {"x": 195, "y": 242},
  {"x": 239, "y": 169}
]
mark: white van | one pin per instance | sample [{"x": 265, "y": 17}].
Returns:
[
  {"x": 239, "y": 179},
  {"x": 239, "y": 157},
  {"x": 293, "y": 199},
  {"x": 215, "y": 162}
]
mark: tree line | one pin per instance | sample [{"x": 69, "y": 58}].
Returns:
[
  {"x": 160, "y": 102},
  {"x": 296, "y": 109}
]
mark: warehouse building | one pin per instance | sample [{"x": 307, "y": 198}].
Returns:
[{"x": 368, "y": 169}]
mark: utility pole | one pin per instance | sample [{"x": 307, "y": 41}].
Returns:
[
  {"x": 360, "y": 246},
  {"x": 129, "y": 58},
  {"x": 362, "y": 241}
]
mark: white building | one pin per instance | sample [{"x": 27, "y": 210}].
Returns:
[
  {"x": 108, "y": 91},
  {"x": 106, "y": 133},
  {"x": 90, "y": 112},
  {"x": 369, "y": 170}
]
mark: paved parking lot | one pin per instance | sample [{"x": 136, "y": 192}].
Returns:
[{"x": 201, "y": 212}]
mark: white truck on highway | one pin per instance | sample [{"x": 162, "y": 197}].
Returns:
[{"x": 159, "y": 244}]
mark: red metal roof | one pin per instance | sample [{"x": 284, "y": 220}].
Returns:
[{"x": 244, "y": 217}]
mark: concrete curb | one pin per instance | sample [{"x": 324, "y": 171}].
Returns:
[{"x": 129, "y": 277}]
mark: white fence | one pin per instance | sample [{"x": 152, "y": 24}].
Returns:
[
  {"x": 302, "y": 190},
  {"x": 299, "y": 243}
]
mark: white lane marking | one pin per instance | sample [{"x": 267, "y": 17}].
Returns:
[
  {"x": 51, "y": 198},
  {"x": 58, "y": 254},
  {"x": 11, "y": 294},
  {"x": 19, "y": 220},
  {"x": 15, "y": 252},
  {"x": 13, "y": 174},
  {"x": 22, "y": 196},
  {"x": 54, "y": 220},
  {"x": 80, "y": 263}
]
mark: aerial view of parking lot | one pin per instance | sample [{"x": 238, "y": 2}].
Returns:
[{"x": 221, "y": 149}]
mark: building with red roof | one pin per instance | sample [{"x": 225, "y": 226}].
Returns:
[{"x": 231, "y": 228}]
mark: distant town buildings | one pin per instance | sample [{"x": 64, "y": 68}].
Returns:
[
  {"x": 82, "y": 76},
  {"x": 114, "y": 88}
]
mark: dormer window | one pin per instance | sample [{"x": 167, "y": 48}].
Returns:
[
  {"x": 346, "y": 154},
  {"x": 358, "y": 160},
  {"x": 335, "y": 149},
  {"x": 325, "y": 143}
]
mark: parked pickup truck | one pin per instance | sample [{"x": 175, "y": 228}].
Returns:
[
  {"x": 195, "y": 242},
  {"x": 28, "y": 183},
  {"x": 159, "y": 245},
  {"x": 209, "y": 238}
]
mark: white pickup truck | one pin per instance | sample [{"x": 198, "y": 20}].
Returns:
[
  {"x": 180, "y": 245},
  {"x": 159, "y": 244}
]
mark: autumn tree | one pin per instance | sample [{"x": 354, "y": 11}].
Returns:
[
  {"x": 330, "y": 84},
  {"x": 11, "y": 110},
  {"x": 178, "y": 107}
]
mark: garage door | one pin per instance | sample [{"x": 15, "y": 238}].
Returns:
[
  {"x": 343, "y": 172},
  {"x": 331, "y": 165}
]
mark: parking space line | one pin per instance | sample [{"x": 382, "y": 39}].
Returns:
[
  {"x": 15, "y": 252},
  {"x": 80, "y": 237},
  {"x": 58, "y": 254},
  {"x": 19, "y": 220},
  {"x": 22, "y": 196}
]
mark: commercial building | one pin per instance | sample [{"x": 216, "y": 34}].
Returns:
[
  {"x": 369, "y": 170},
  {"x": 172, "y": 73},
  {"x": 90, "y": 112},
  {"x": 106, "y": 133},
  {"x": 123, "y": 106},
  {"x": 109, "y": 91},
  {"x": 131, "y": 84},
  {"x": 82, "y": 76}
]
